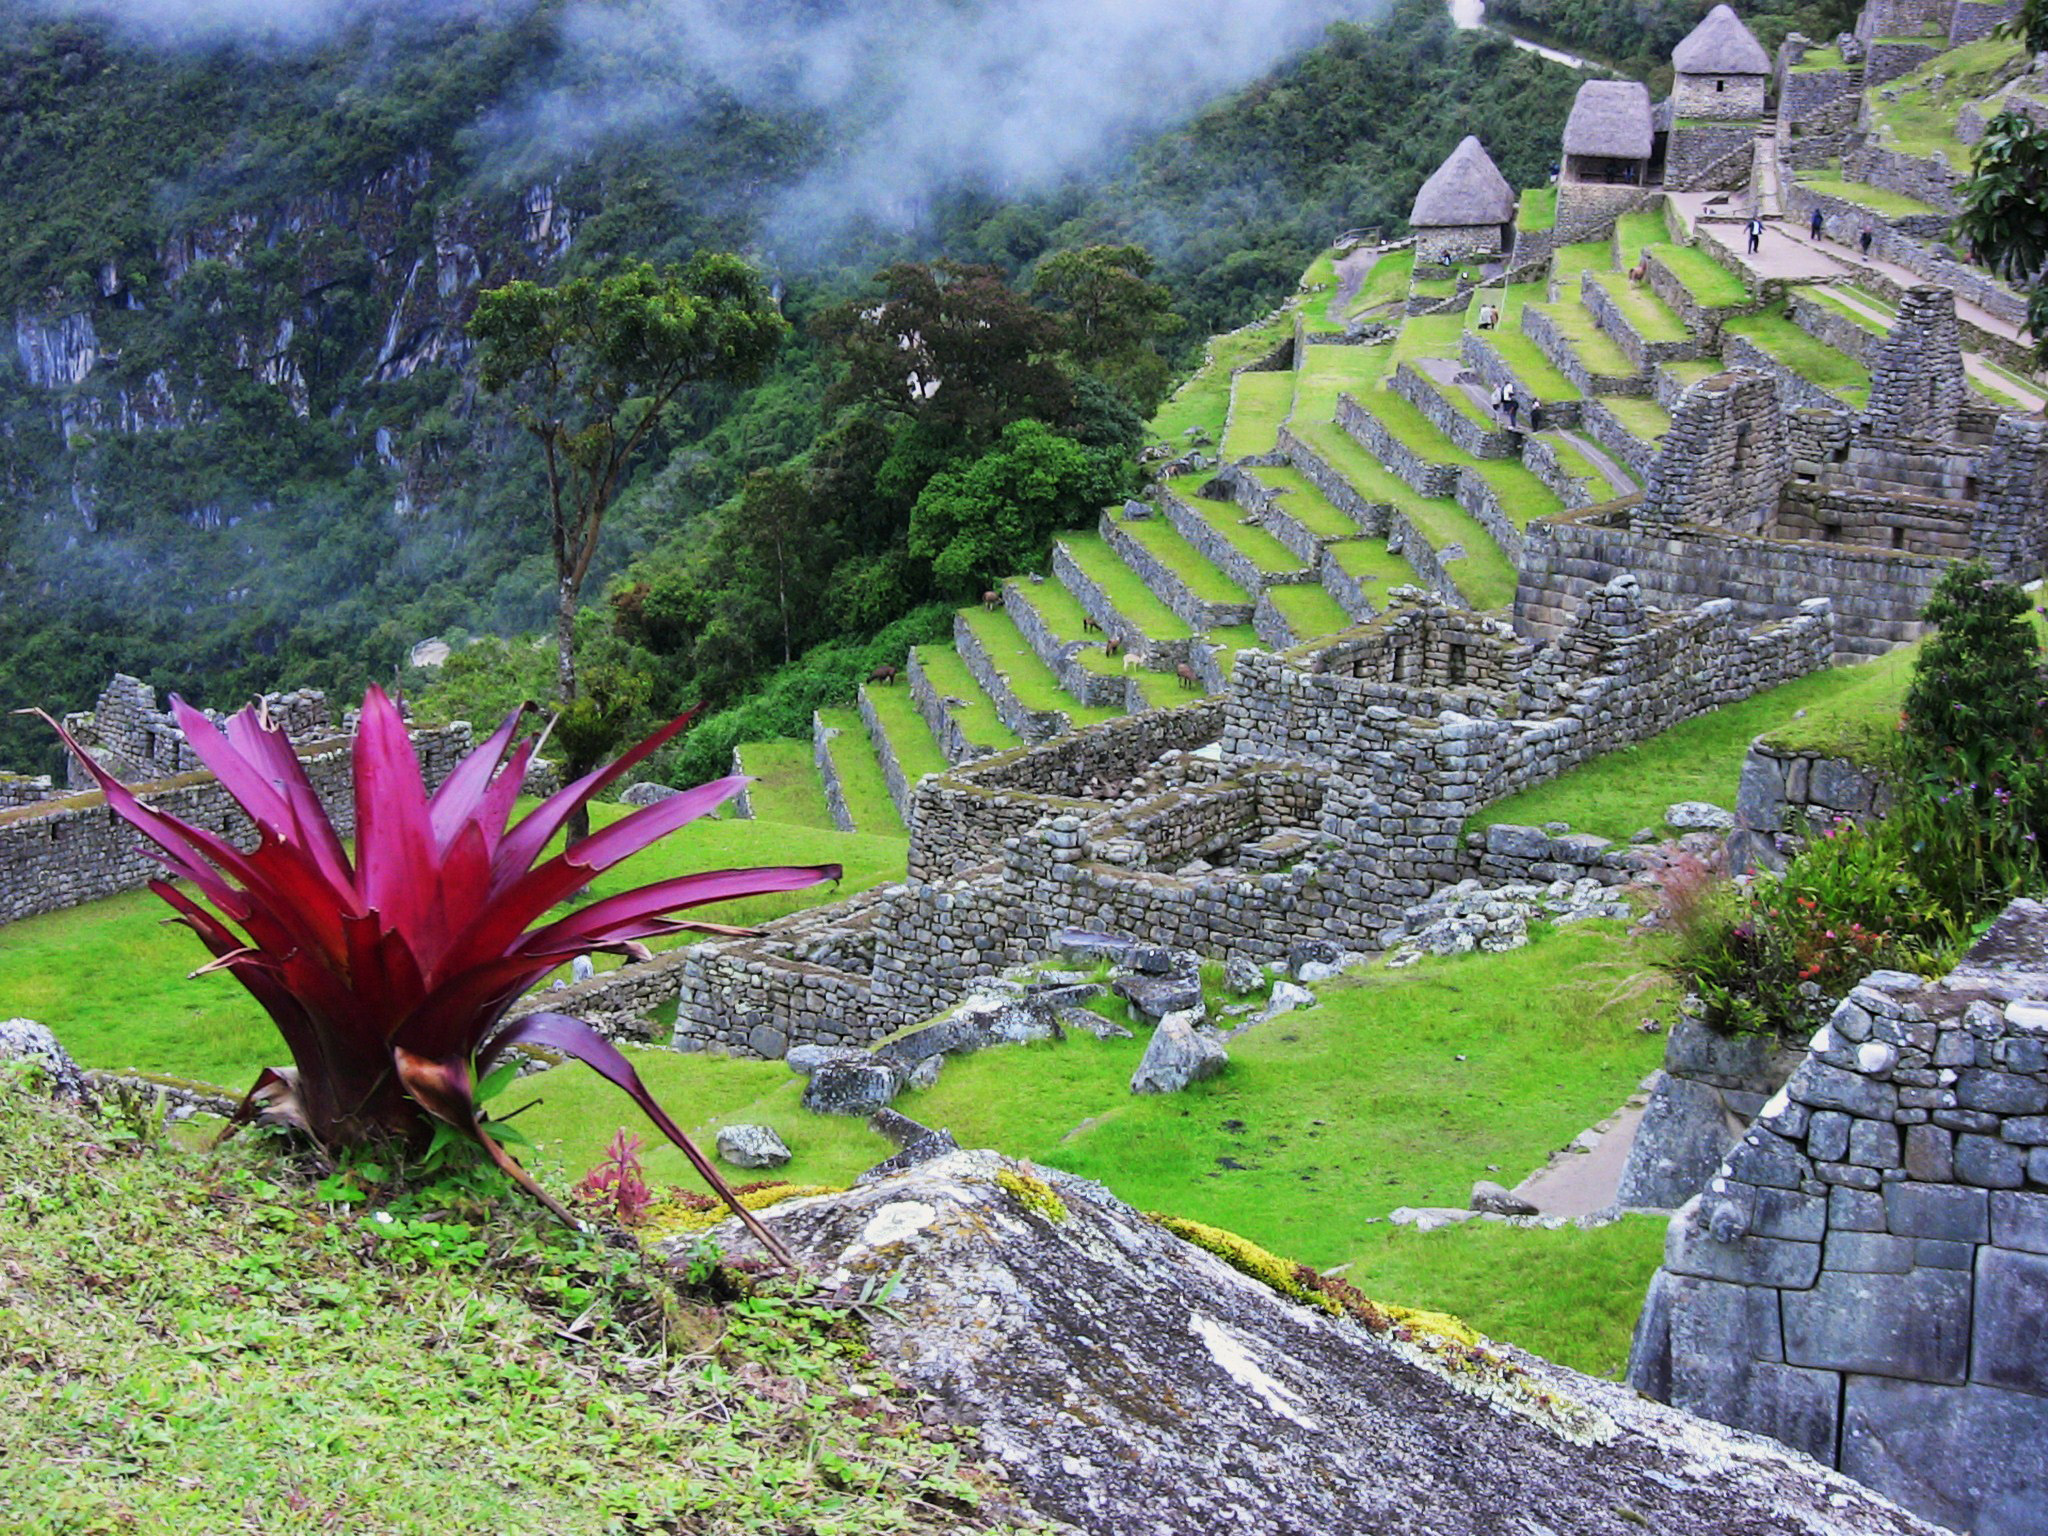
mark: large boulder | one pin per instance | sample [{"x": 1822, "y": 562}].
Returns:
[
  {"x": 1154, "y": 997},
  {"x": 1684, "y": 1133},
  {"x": 1133, "y": 1384},
  {"x": 1180, "y": 1052},
  {"x": 752, "y": 1146},
  {"x": 846, "y": 1087}
]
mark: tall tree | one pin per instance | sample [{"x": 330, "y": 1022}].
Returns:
[
  {"x": 1115, "y": 315},
  {"x": 592, "y": 364},
  {"x": 2005, "y": 211}
]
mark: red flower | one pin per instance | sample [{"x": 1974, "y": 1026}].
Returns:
[{"x": 389, "y": 977}]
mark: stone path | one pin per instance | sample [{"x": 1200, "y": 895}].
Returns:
[
  {"x": 1617, "y": 477},
  {"x": 1581, "y": 1183},
  {"x": 1781, "y": 255},
  {"x": 1351, "y": 274}
]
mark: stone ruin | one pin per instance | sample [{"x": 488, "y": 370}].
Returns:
[
  {"x": 1765, "y": 497},
  {"x": 140, "y": 742},
  {"x": 1866, "y": 1276}
]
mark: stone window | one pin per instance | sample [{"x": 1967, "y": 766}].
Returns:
[
  {"x": 1720, "y": 86},
  {"x": 1454, "y": 665},
  {"x": 1741, "y": 446}
]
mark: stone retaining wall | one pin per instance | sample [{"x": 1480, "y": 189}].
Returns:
[
  {"x": 1804, "y": 96},
  {"x": 1482, "y": 442},
  {"x": 828, "y": 771},
  {"x": 1588, "y": 210},
  {"x": 1212, "y": 546},
  {"x": 1569, "y": 488},
  {"x": 1974, "y": 20},
  {"x": 1704, "y": 322},
  {"x": 885, "y": 754},
  {"x": 1612, "y": 319},
  {"x": 1034, "y": 725},
  {"x": 1877, "y": 594},
  {"x": 1927, "y": 178},
  {"x": 1796, "y": 390},
  {"x": 1093, "y": 689},
  {"x": 1506, "y": 853},
  {"x": 1479, "y": 498},
  {"x": 1884, "y": 62},
  {"x": 1165, "y": 654},
  {"x": 1493, "y": 371},
  {"x": 946, "y": 730},
  {"x": 1371, "y": 516},
  {"x": 1835, "y": 328},
  {"x": 1409, "y": 542},
  {"x": 1611, "y": 433},
  {"x": 1349, "y": 591},
  {"x": 1557, "y": 347},
  {"x": 1866, "y": 1276},
  {"x": 1784, "y": 790},
  {"x": 58, "y": 853},
  {"x": 1705, "y": 157},
  {"x": 1422, "y": 476},
  {"x": 1168, "y": 587}
]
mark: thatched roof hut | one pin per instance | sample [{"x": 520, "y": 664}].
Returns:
[
  {"x": 1610, "y": 119},
  {"x": 1467, "y": 190},
  {"x": 1720, "y": 45}
]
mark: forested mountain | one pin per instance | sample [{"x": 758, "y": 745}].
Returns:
[{"x": 241, "y": 442}]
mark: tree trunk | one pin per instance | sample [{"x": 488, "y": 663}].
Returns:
[{"x": 565, "y": 685}]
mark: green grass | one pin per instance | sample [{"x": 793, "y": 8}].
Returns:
[
  {"x": 1647, "y": 315},
  {"x": 1537, "y": 210},
  {"x": 1259, "y": 404},
  {"x": 1266, "y": 553},
  {"x": 1879, "y": 200},
  {"x": 1595, "y": 349},
  {"x": 1428, "y": 336},
  {"x": 1031, "y": 680},
  {"x": 1808, "y": 356},
  {"x": 1305, "y": 504},
  {"x": 909, "y": 736},
  {"x": 1370, "y": 561},
  {"x": 109, "y": 978},
  {"x": 861, "y": 780},
  {"x": 977, "y": 716},
  {"x": 1828, "y": 299},
  {"x": 198, "y": 1342},
  {"x": 1460, "y": 401},
  {"x": 1387, "y": 282},
  {"x": 1523, "y": 496},
  {"x": 1126, "y": 592},
  {"x": 1710, "y": 284},
  {"x": 1163, "y": 541},
  {"x": 1644, "y": 418},
  {"x": 1920, "y": 117},
  {"x": 1535, "y": 373},
  {"x": 1701, "y": 758},
  {"x": 1328, "y": 372},
  {"x": 1819, "y": 60},
  {"x": 1634, "y": 231},
  {"x": 1433, "y": 287},
  {"x": 1061, "y": 612},
  {"x": 786, "y": 787},
  {"x": 1486, "y": 576},
  {"x": 1569, "y": 262},
  {"x": 1203, "y": 399},
  {"x": 1309, "y": 611},
  {"x": 1570, "y": 1295}
]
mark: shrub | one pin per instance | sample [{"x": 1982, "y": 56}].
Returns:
[{"x": 390, "y": 975}]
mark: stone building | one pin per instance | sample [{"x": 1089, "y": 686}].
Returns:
[
  {"x": 1720, "y": 78},
  {"x": 1610, "y": 158},
  {"x": 1466, "y": 209},
  {"x": 1866, "y": 1276}
]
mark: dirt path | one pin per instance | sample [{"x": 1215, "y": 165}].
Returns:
[
  {"x": 1577, "y": 1183},
  {"x": 1617, "y": 478}
]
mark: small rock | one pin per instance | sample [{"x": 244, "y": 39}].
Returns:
[
  {"x": 1316, "y": 970},
  {"x": 751, "y": 1146},
  {"x": 1242, "y": 974},
  {"x": 647, "y": 794},
  {"x": 1643, "y": 835},
  {"x": 1498, "y": 1200},
  {"x": 1154, "y": 997},
  {"x": 1286, "y": 998},
  {"x": 925, "y": 1073},
  {"x": 1428, "y": 1218},
  {"x": 1699, "y": 816},
  {"x": 851, "y": 1087},
  {"x": 803, "y": 1060},
  {"x": 1311, "y": 952},
  {"x": 1178, "y": 1054},
  {"x": 1091, "y": 1022},
  {"x": 25, "y": 1039}
]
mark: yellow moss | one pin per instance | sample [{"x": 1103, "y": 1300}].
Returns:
[
  {"x": 671, "y": 1217},
  {"x": 1248, "y": 1258},
  {"x": 1441, "y": 1324},
  {"x": 1034, "y": 1194}
]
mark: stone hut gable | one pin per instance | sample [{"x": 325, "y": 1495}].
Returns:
[
  {"x": 1611, "y": 120},
  {"x": 1466, "y": 190},
  {"x": 1916, "y": 379},
  {"x": 1720, "y": 45},
  {"x": 1724, "y": 459}
]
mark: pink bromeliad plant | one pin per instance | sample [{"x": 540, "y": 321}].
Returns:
[{"x": 389, "y": 974}]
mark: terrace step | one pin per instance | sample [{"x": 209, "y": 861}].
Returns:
[
  {"x": 786, "y": 785},
  {"x": 1026, "y": 692},
  {"x": 1571, "y": 339},
  {"x": 1629, "y": 427},
  {"x": 1290, "y": 616},
  {"x": 856, "y": 787},
  {"x": 1289, "y": 506},
  {"x": 1577, "y": 469},
  {"x": 962, "y": 718},
  {"x": 903, "y": 743},
  {"x": 1810, "y": 372},
  {"x": 1259, "y": 403},
  {"x": 1177, "y": 573},
  {"x": 1249, "y": 555}
]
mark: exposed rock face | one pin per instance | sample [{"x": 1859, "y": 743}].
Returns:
[
  {"x": 1180, "y": 1052},
  {"x": 1135, "y": 1385},
  {"x": 851, "y": 1087},
  {"x": 26, "y": 1040}
]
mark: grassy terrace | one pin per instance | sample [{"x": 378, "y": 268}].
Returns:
[
  {"x": 1309, "y": 610},
  {"x": 1920, "y": 117},
  {"x": 1644, "y": 417},
  {"x": 977, "y": 714},
  {"x": 1701, "y": 759},
  {"x": 1649, "y": 316},
  {"x": 1030, "y": 679},
  {"x": 1387, "y": 282},
  {"x": 1568, "y": 262},
  {"x": 1819, "y": 61},
  {"x": 1580, "y": 467},
  {"x": 1827, "y": 298},
  {"x": 1306, "y": 505},
  {"x": 1204, "y": 400},
  {"x": 1634, "y": 231},
  {"x": 1259, "y": 403},
  {"x": 1163, "y": 541},
  {"x": 860, "y": 774},
  {"x": 1485, "y": 576},
  {"x": 1532, "y": 370},
  {"x": 1808, "y": 356},
  {"x": 1710, "y": 284},
  {"x": 909, "y": 737},
  {"x": 1537, "y": 210},
  {"x": 1886, "y": 204},
  {"x": 1264, "y": 551},
  {"x": 1523, "y": 496},
  {"x": 1370, "y": 562},
  {"x": 1332, "y": 371},
  {"x": 1593, "y": 347},
  {"x": 786, "y": 786},
  {"x": 1127, "y": 594},
  {"x": 1427, "y": 336}
]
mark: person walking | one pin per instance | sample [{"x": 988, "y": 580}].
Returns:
[
  {"x": 1756, "y": 233},
  {"x": 1813, "y": 225},
  {"x": 1864, "y": 241},
  {"x": 1509, "y": 403}
]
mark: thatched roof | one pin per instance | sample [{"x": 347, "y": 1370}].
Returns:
[
  {"x": 1721, "y": 45},
  {"x": 1610, "y": 118},
  {"x": 1467, "y": 189}
]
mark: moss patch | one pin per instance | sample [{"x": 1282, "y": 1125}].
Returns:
[{"x": 1034, "y": 1194}]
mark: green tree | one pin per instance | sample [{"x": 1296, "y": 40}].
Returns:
[
  {"x": 2005, "y": 211},
  {"x": 592, "y": 364},
  {"x": 995, "y": 515},
  {"x": 1115, "y": 316},
  {"x": 1975, "y": 705}
]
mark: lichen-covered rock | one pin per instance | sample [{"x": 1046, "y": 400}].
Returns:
[
  {"x": 752, "y": 1146},
  {"x": 1498, "y": 1200},
  {"x": 1180, "y": 1052},
  {"x": 26, "y": 1040},
  {"x": 647, "y": 794},
  {"x": 1699, "y": 816},
  {"x": 852, "y": 1087},
  {"x": 1154, "y": 997},
  {"x": 1134, "y": 1384}
]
